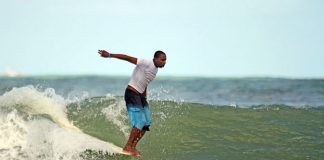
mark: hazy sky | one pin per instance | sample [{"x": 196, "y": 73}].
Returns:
[{"x": 201, "y": 37}]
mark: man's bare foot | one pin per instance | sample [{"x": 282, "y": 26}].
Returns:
[
  {"x": 132, "y": 151},
  {"x": 137, "y": 153}
]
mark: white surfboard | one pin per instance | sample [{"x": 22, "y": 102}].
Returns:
[{"x": 116, "y": 149}]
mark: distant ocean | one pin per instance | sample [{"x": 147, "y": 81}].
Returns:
[{"x": 193, "y": 118}]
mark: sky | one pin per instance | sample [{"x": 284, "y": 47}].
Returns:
[{"x": 213, "y": 38}]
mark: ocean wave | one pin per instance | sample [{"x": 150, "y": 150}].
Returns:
[
  {"x": 34, "y": 125},
  {"x": 37, "y": 123}
]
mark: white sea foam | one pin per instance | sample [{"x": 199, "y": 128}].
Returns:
[
  {"x": 13, "y": 131},
  {"x": 23, "y": 137}
]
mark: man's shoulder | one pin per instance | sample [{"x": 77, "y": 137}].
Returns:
[{"x": 144, "y": 61}]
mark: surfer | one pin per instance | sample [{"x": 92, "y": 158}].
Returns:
[{"x": 135, "y": 95}]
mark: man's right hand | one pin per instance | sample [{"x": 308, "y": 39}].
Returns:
[
  {"x": 125, "y": 57},
  {"x": 103, "y": 53}
]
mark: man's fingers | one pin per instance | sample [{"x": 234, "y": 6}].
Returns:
[{"x": 103, "y": 53}]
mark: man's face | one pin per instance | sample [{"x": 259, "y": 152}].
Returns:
[{"x": 160, "y": 61}]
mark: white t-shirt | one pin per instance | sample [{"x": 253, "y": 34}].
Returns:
[{"x": 144, "y": 72}]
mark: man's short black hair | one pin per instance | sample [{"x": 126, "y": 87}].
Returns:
[{"x": 158, "y": 53}]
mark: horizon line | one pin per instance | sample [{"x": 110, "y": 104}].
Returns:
[{"x": 163, "y": 76}]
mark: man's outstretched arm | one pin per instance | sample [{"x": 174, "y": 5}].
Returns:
[{"x": 106, "y": 54}]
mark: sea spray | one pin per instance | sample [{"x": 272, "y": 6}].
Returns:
[
  {"x": 116, "y": 113},
  {"x": 34, "y": 102},
  {"x": 13, "y": 131}
]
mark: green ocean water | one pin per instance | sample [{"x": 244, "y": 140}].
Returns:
[
  {"x": 197, "y": 131},
  {"x": 77, "y": 117}
]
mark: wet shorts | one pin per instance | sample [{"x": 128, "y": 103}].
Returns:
[
  {"x": 138, "y": 110},
  {"x": 139, "y": 118}
]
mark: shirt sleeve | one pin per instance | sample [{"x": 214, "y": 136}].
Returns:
[
  {"x": 142, "y": 62},
  {"x": 139, "y": 61}
]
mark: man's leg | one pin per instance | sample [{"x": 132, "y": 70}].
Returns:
[
  {"x": 136, "y": 119},
  {"x": 138, "y": 138},
  {"x": 147, "y": 121},
  {"x": 128, "y": 147}
]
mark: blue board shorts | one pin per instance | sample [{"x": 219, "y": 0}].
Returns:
[{"x": 138, "y": 110}]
